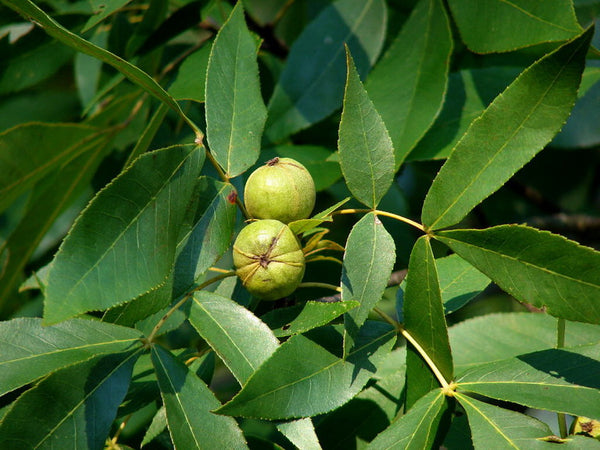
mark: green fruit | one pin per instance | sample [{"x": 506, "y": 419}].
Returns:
[
  {"x": 282, "y": 190},
  {"x": 268, "y": 259}
]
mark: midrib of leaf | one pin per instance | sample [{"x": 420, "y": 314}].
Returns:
[
  {"x": 131, "y": 223},
  {"x": 174, "y": 391},
  {"x": 83, "y": 347},
  {"x": 526, "y": 263},
  {"x": 539, "y": 19},
  {"x": 524, "y": 383},
  {"x": 233, "y": 118},
  {"x": 226, "y": 334},
  {"x": 326, "y": 368},
  {"x": 78, "y": 405},
  {"x": 429, "y": 408},
  {"x": 56, "y": 158},
  {"x": 517, "y": 129},
  {"x": 372, "y": 259},
  {"x": 463, "y": 398},
  {"x": 369, "y": 154},
  {"x": 336, "y": 54}
]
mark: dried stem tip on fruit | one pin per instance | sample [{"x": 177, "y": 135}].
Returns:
[
  {"x": 282, "y": 189},
  {"x": 268, "y": 259}
]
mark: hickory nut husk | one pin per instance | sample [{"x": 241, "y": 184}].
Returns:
[
  {"x": 282, "y": 189},
  {"x": 268, "y": 259}
]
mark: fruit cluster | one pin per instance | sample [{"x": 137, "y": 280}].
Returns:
[{"x": 267, "y": 255}]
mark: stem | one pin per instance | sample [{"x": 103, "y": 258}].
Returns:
[
  {"x": 560, "y": 343},
  {"x": 316, "y": 284},
  {"x": 388, "y": 318},
  {"x": 383, "y": 213},
  {"x": 185, "y": 298},
  {"x": 428, "y": 360}
]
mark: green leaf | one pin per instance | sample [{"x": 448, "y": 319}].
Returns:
[
  {"x": 312, "y": 82},
  {"x": 365, "y": 149},
  {"x": 424, "y": 320},
  {"x": 501, "y": 26},
  {"x": 29, "y": 152},
  {"x": 101, "y": 10},
  {"x": 123, "y": 245},
  {"x": 208, "y": 231},
  {"x": 190, "y": 82},
  {"x": 494, "y": 427},
  {"x": 50, "y": 197},
  {"x": 189, "y": 403},
  {"x": 235, "y": 112},
  {"x": 303, "y": 379},
  {"x": 417, "y": 428},
  {"x": 507, "y": 335},
  {"x": 469, "y": 93},
  {"x": 305, "y": 225},
  {"x": 460, "y": 282},
  {"x": 536, "y": 267},
  {"x": 78, "y": 405},
  {"x": 156, "y": 427},
  {"x": 300, "y": 318},
  {"x": 516, "y": 126},
  {"x": 301, "y": 433},
  {"x": 368, "y": 262},
  {"x": 240, "y": 339},
  {"x": 32, "y": 12},
  {"x": 561, "y": 380},
  {"x": 30, "y": 350},
  {"x": 409, "y": 83}
]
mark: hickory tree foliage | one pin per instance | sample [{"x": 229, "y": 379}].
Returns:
[{"x": 452, "y": 290}]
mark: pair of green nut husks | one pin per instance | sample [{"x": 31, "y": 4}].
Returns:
[{"x": 267, "y": 255}]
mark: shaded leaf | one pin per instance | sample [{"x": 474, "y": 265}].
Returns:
[
  {"x": 516, "y": 126},
  {"x": 460, "y": 282},
  {"x": 494, "y": 427},
  {"x": 424, "y": 320},
  {"x": 409, "y": 83},
  {"x": 303, "y": 379},
  {"x": 235, "y": 112},
  {"x": 208, "y": 230},
  {"x": 417, "y": 428},
  {"x": 190, "y": 82},
  {"x": 300, "y": 318},
  {"x": 561, "y": 380},
  {"x": 536, "y": 267},
  {"x": 30, "y": 151},
  {"x": 368, "y": 262},
  {"x": 365, "y": 149},
  {"x": 301, "y": 433},
  {"x": 506, "y": 335},
  {"x": 30, "y": 350},
  {"x": 311, "y": 85},
  {"x": 101, "y": 10},
  {"x": 156, "y": 427},
  {"x": 501, "y": 26},
  {"x": 79, "y": 405},
  {"x": 240, "y": 339},
  {"x": 124, "y": 242},
  {"x": 188, "y": 403}
]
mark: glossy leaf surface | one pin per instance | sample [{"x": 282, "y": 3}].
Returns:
[
  {"x": 365, "y": 148},
  {"x": 123, "y": 244},
  {"x": 536, "y": 267},
  {"x": 516, "y": 126},
  {"x": 409, "y": 83},
  {"x": 301, "y": 433}
]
